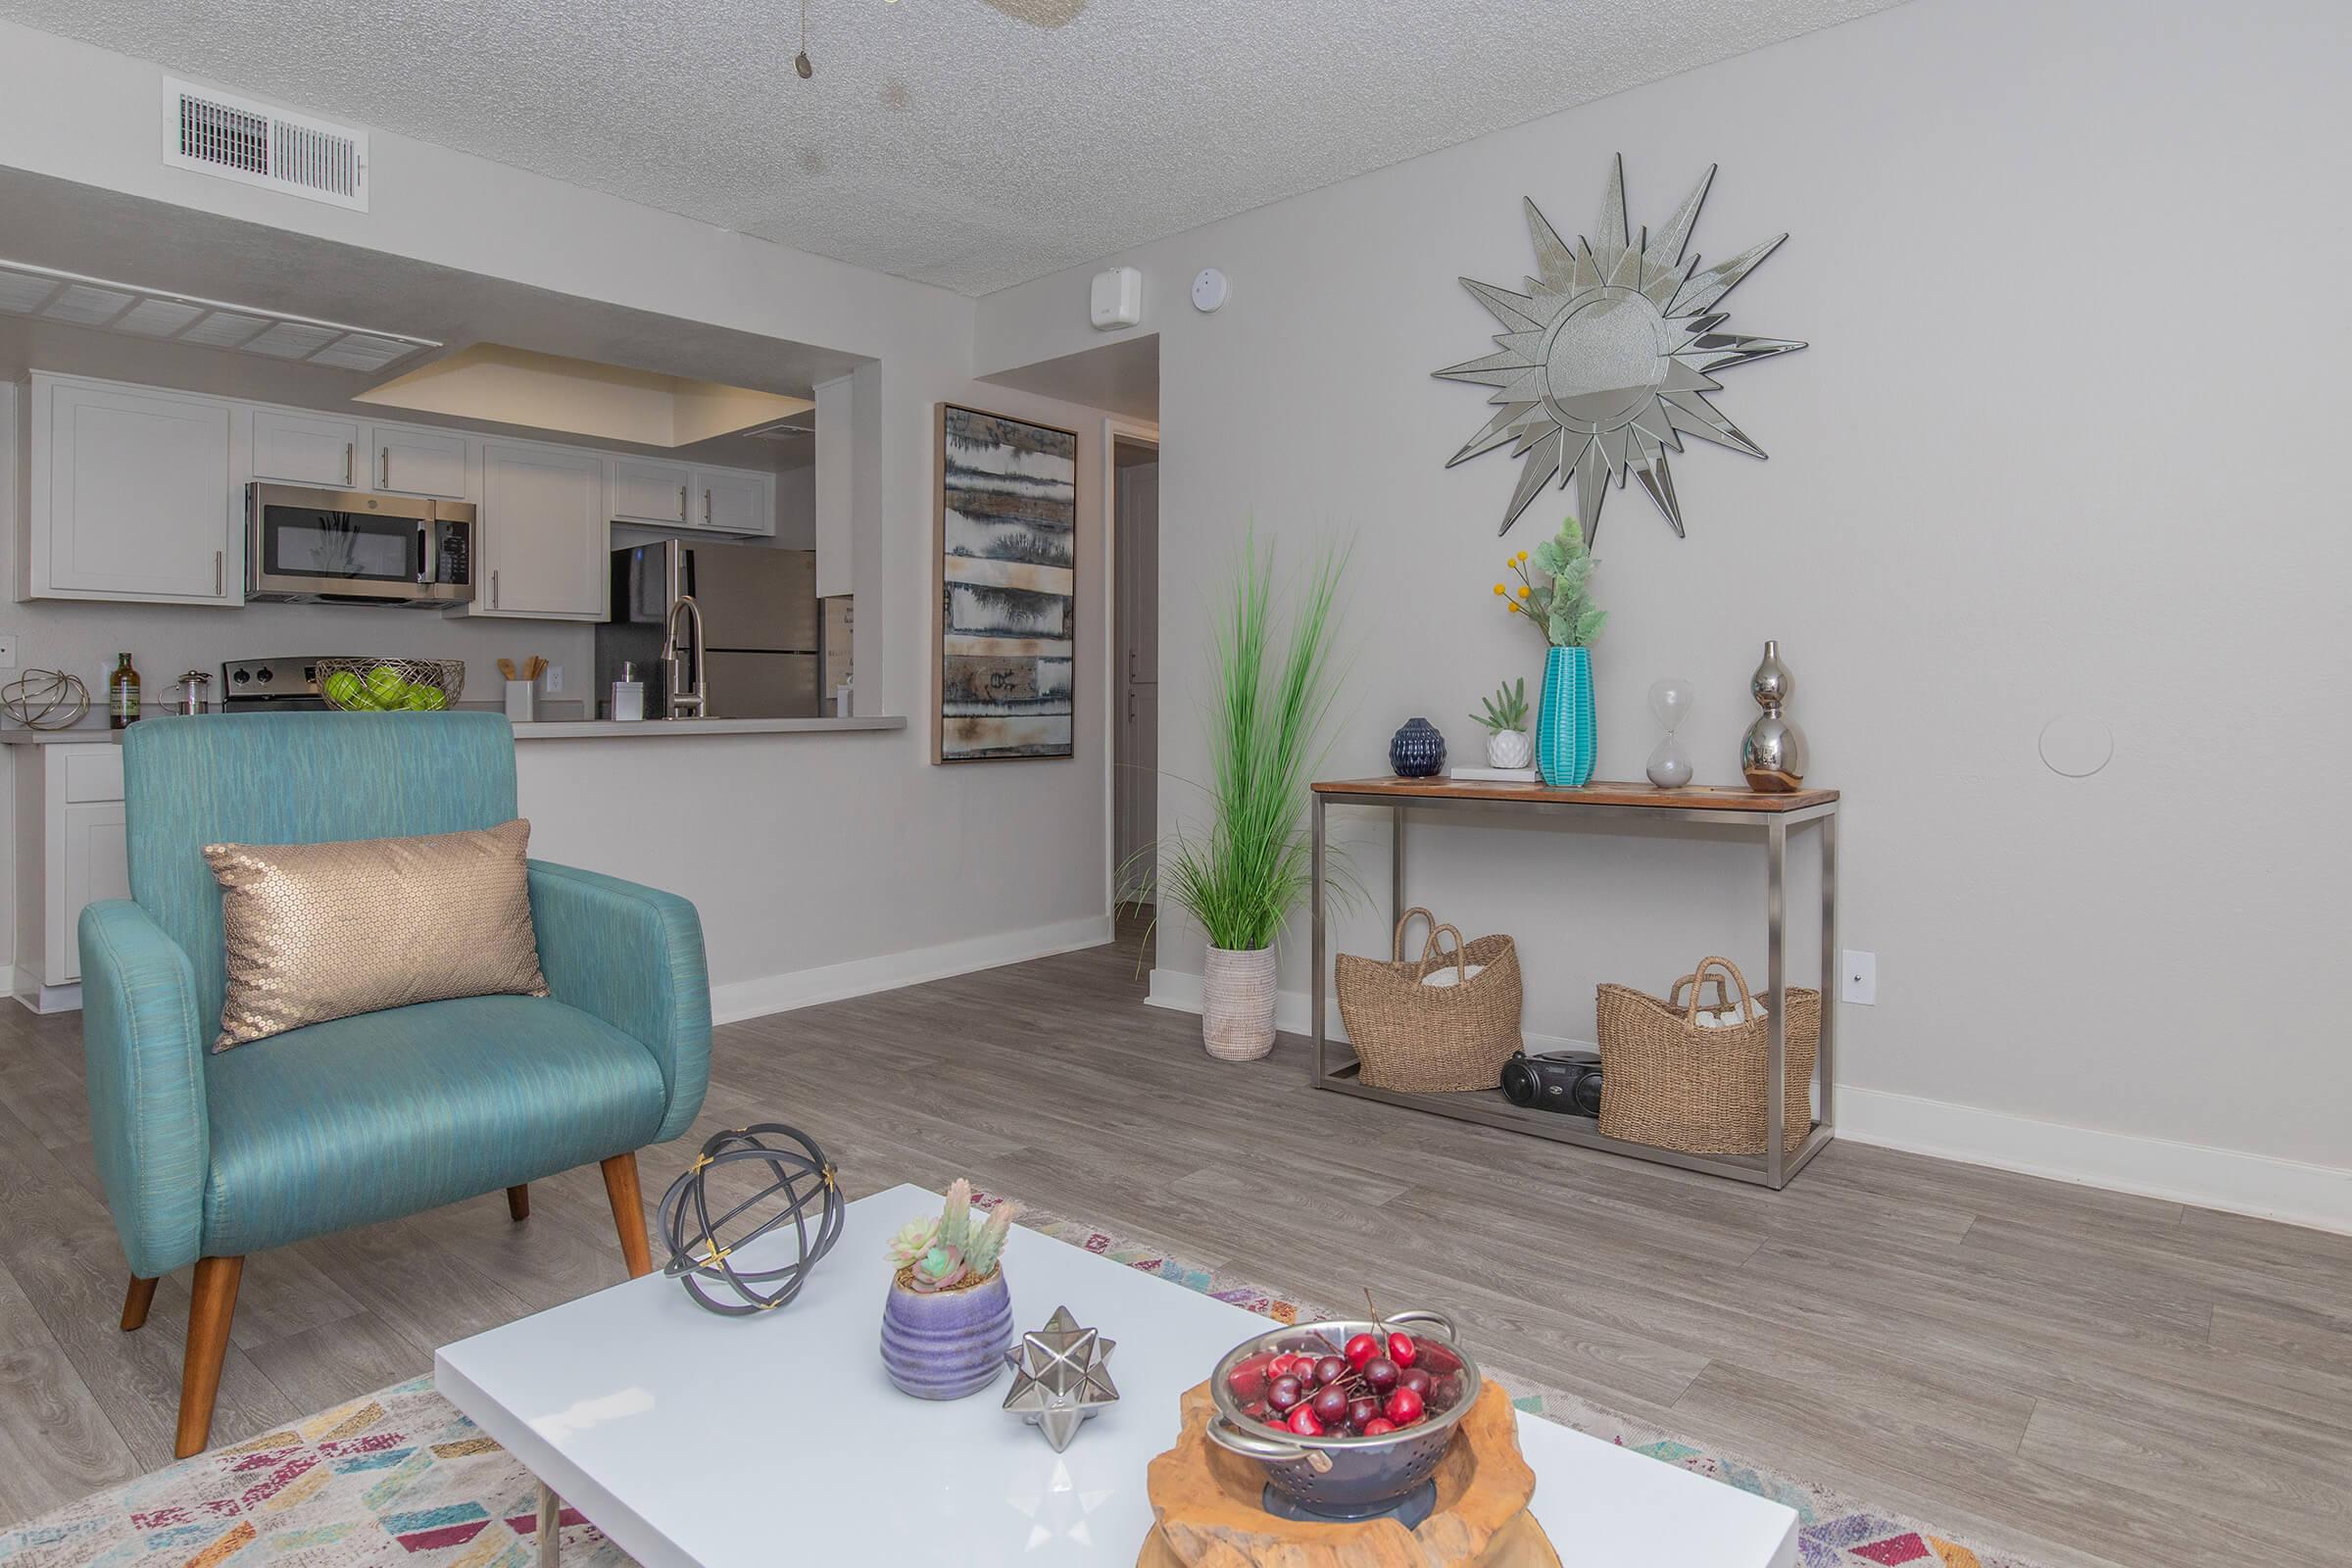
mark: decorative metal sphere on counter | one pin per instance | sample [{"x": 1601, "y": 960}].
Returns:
[{"x": 805, "y": 1193}]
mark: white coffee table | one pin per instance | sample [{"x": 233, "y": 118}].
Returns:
[{"x": 700, "y": 1442}]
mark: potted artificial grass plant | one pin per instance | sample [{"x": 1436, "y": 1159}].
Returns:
[{"x": 1247, "y": 872}]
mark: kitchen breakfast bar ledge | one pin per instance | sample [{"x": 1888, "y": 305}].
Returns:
[{"x": 1602, "y": 807}]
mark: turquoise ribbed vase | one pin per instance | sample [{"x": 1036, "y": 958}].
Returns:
[{"x": 1564, "y": 728}]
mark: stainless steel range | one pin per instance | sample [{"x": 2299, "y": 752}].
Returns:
[{"x": 271, "y": 685}]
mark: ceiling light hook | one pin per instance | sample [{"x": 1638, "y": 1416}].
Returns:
[{"x": 800, "y": 62}]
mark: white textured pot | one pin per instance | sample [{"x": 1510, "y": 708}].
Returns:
[
  {"x": 1510, "y": 747},
  {"x": 1236, "y": 1003}
]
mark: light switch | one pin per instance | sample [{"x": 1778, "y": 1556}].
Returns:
[{"x": 1860, "y": 982}]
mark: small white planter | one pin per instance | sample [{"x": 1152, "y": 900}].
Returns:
[
  {"x": 1236, "y": 1003},
  {"x": 1510, "y": 747}
]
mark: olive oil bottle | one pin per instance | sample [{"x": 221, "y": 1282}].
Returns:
[{"x": 122, "y": 694}]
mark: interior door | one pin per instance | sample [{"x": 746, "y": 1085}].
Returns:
[{"x": 1135, "y": 790}]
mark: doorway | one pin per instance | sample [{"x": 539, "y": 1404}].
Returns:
[{"x": 1135, "y": 671}]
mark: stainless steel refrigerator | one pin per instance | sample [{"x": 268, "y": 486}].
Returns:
[{"x": 761, "y": 636}]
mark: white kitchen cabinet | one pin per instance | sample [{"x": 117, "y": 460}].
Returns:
[
  {"x": 733, "y": 501},
  {"x": 410, "y": 461},
  {"x": 133, "y": 496},
  {"x": 641, "y": 490},
  {"x": 314, "y": 448},
  {"x": 69, "y": 841},
  {"x": 545, "y": 547}
]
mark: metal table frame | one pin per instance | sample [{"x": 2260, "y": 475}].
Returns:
[{"x": 1777, "y": 1165}]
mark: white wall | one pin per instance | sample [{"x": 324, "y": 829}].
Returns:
[
  {"x": 806, "y": 852},
  {"x": 2064, "y": 443}
]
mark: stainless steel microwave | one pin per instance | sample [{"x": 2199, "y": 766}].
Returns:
[{"x": 307, "y": 547}]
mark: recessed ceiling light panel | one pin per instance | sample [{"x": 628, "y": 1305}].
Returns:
[{"x": 158, "y": 315}]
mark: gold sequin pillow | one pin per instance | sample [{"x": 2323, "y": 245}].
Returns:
[{"x": 319, "y": 931}]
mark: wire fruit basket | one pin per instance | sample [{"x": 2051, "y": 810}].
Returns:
[{"x": 391, "y": 685}]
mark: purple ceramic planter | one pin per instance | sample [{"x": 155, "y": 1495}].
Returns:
[{"x": 948, "y": 1344}]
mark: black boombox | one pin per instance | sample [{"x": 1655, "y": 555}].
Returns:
[{"x": 1565, "y": 1081}]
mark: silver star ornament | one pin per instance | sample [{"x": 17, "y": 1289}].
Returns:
[{"x": 1060, "y": 1378}]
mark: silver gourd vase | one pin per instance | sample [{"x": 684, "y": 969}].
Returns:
[{"x": 1772, "y": 754}]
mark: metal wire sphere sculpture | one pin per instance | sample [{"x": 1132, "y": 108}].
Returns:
[{"x": 701, "y": 1254}]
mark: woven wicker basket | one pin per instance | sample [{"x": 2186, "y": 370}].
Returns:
[
  {"x": 1420, "y": 1038},
  {"x": 1666, "y": 1082}
]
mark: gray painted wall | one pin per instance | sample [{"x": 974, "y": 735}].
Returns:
[{"x": 2064, "y": 443}]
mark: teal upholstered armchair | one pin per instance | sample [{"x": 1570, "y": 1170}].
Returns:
[{"x": 207, "y": 1157}]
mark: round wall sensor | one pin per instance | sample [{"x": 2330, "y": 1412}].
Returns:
[
  {"x": 1209, "y": 289},
  {"x": 2075, "y": 745}
]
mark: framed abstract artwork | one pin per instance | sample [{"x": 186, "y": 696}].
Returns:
[{"x": 1007, "y": 606}]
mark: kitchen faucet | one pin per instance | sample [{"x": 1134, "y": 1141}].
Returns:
[{"x": 682, "y": 699}]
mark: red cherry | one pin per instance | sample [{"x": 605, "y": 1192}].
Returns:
[
  {"x": 1330, "y": 1369},
  {"x": 1304, "y": 1424},
  {"x": 1381, "y": 1373},
  {"x": 1379, "y": 1425},
  {"x": 1416, "y": 1380},
  {"x": 1361, "y": 1409},
  {"x": 1363, "y": 1347},
  {"x": 1405, "y": 1407},
  {"x": 1284, "y": 1392},
  {"x": 1402, "y": 1351}
]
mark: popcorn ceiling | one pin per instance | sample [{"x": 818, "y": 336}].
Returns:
[{"x": 968, "y": 144}]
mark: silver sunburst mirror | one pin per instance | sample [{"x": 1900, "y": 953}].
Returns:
[{"x": 1604, "y": 364}]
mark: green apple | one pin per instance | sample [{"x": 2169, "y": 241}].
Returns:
[
  {"x": 343, "y": 688},
  {"x": 385, "y": 686},
  {"x": 427, "y": 698}
]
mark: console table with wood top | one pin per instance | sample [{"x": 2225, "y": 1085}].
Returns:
[{"x": 1603, "y": 806}]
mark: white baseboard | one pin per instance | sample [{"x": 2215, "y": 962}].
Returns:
[
  {"x": 805, "y": 988},
  {"x": 37, "y": 997},
  {"x": 2196, "y": 1174}
]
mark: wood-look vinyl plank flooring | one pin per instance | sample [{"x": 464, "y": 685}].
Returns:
[{"x": 2096, "y": 1379}]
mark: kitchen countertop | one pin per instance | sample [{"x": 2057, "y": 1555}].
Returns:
[
  {"x": 584, "y": 729},
  {"x": 556, "y": 729}
]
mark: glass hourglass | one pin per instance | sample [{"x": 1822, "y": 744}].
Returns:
[{"x": 1670, "y": 701}]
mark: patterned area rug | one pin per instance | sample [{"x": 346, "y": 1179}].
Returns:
[{"x": 400, "y": 1477}]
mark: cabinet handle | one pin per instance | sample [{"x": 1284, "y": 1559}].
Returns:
[
  {"x": 219, "y": 575},
  {"x": 348, "y": 458},
  {"x": 1131, "y": 663},
  {"x": 1131, "y": 707},
  {"x": 494, "y": 589},
  {"x": 682, "y": 502},
  {"x": 706, "y": 509},
  {"x": 385, "y": 461}
]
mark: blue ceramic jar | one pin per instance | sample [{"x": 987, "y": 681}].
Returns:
[{"x": 1417, "y": 751}]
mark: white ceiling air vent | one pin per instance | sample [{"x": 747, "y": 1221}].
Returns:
[{"x": 255, "y": 144}]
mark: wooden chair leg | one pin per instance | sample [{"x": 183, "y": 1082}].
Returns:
[
  {"x": 135, "y": 1302},
  {"x": 518, "y": 1202},
  {"x": 628, "y": 1214},
  {"x": 212, "y": 1304}
]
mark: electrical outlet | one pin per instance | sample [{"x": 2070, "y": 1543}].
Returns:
[
  {"x": 554, "y": 679},
  {"x": 8, "y": 650},
  {"x": 1860, "y": 985}
]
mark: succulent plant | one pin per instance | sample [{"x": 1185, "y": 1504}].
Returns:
[
  {"x": 1507, "y": 708},
  {"x": 939, "y": 1255}
]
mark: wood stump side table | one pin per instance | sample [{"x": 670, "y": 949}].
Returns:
[{"x": 1207, "y": 1505}]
